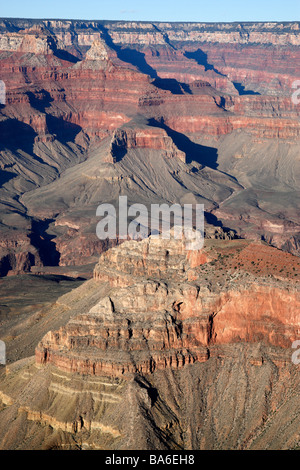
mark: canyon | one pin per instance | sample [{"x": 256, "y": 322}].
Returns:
[
  {"x": 163, "y": 348},
  {"x": 145, "y": 344},
  {"x": 215, "y": 97}
]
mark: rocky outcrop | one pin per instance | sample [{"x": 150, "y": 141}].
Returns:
[
  {"x": 17, "y": 254},
  {"x": 145, "y": 325},
  {"x": 149, "y": 138},
  {"x": 36, "y": 40},
  {"x": 164, "y": 348},
  {"x": 97, "y": 51}
]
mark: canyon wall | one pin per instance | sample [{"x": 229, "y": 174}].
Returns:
[
  {"x": 144, "y": 324},
  {"x": 217, "y": 97},
  {"x": 165, "y": 348}
]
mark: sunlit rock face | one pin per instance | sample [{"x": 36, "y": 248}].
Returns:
[
  {"x": 132, "y": 97},
  {"x": 163, "y": 348},
  {"x": 159, "y": 313}
]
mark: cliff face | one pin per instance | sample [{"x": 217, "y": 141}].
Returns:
[
  {"x": 164, "y": 349},
  {"x": 144, "y": 325},
  {"x": 215, "y": 97},
  {"x": 155, "y": 138}
]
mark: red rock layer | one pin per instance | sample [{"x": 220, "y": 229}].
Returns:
[
  {"x": 152, "y": 137},
  {"x": 144, "y": 324},
  {"x": 98, "y": 96},
  {"x": 52, "y": 96}
]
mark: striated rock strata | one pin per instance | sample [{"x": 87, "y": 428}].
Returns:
[
  {"x": 144, "y": 324},
  {"x": 164, "y": 349},
  {"x": 215, "y": 97}
]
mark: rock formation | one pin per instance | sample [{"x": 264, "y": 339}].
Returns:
[
  {"x": 151, "y": 138},
  {"x": 164, "y": 347},
  {"x": 183, "y": 342},
  {"x": 145, "y": 324},
  {"x": 215, "y": 97}
]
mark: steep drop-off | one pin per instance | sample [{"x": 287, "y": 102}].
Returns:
[
  {"x": 164, "y": 349},
  {"x": 215, "y": 96}
]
